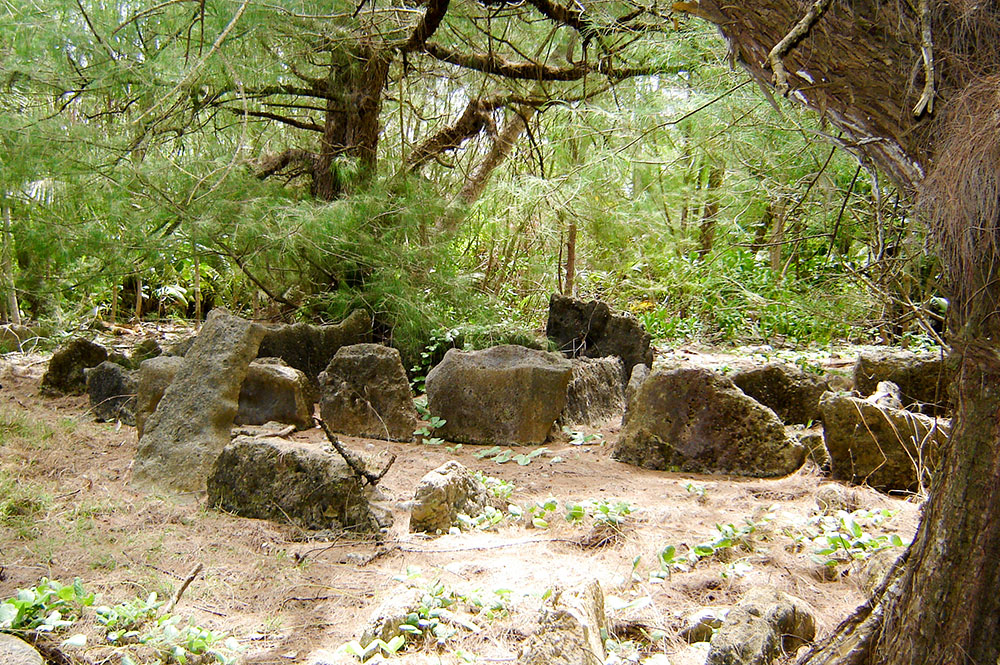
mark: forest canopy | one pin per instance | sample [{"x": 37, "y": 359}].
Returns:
[{"x": 438, "y": 163}]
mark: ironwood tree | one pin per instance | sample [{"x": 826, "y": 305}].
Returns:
[
  {"x": 322, "y": 72},
  {"x": 914, "y": 86}
]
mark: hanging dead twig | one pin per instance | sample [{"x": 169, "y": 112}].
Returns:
[
  {"x": 782, "y": 48},
  {"x": 926, "y": 101}
]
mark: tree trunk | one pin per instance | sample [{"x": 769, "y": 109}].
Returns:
[
  {"x": 351, "y": 123},
  {"x": 138, "y": 297},
  {"x": 570, "y": 285},
  {"x": 10, "y": 302},
  {"x": 501, "y": 149},
  {"x": 859, "y": 65},
  {"x": 197, "y": 286},
  {"x": 710, "y": 214}
]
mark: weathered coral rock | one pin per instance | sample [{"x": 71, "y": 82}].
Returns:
[
  {"x": 445, "y": 492},
  {"x": 64, "y": 375},
  {"x": 112, "y": 391},
  {"x": 364, "y": 392},
  {"x": 595, "y": 394},
  {"x": 693, "y": 419},
  {"x": 790, "y": 392},
  {"x": 886, "y": 448},
  {"x": 589, "y": 329},
  {"x": 191, "y": 423},
  {"x": 508, "y": 395},
  {"x": 286, "y": 481}
]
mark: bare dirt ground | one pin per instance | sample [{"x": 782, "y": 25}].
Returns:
[{"x": 289, "y": 599}]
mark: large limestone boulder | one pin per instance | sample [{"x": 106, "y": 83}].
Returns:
[
  {"x": 304, "y": 484},
  {"x": 15, "y": 651},
  {"x": 112, "y": 390},
  {"x": 571, "y": 631},
  {"x": 364, "y": 392},
  {"x": 508, "y": 395},
  {"x": 273, "y": 391},
  {"x": 310, "y": 348},
  {"x": 923, "y": 379},
  {"x": 787, "y": 390},
  {"x": 765, "y": 624},
  {"x": 64, "y": 375},
  {"x": 191, "y": 423},
  {"x": 596, "y": 393},
  {"x": 873, "y": 444},
  {"x": 445, "y": 492},
  {"x": 692, "y": 419},
  {"x": 589, "y": 329}
]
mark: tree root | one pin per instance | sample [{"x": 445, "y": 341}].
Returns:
[{"x": 855, "y": 638}]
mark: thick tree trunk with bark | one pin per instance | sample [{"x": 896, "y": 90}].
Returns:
[
  {"x": 351, "y": 125},
  {"x": 874, "y": 70}
]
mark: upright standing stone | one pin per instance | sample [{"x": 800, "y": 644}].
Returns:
[
  {"x": 191, "y": 424},
  {"x": 155, "y": 376},
  {"x": 364, "y": 392},
  {"x": 589, "y": 329},
  {"x": 506, "y": 395}
]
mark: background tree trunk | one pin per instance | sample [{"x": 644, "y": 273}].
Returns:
[
  {"x": 710, "y": 213},
  {"x": 351, "y": 124},
  {"x": 10, "y": 302}
]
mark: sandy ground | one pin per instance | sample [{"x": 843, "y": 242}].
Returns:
[{"x": 291, "y": 599}]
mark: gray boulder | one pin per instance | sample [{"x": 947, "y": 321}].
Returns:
[
  {"x": 886, "y": 448},
  {"x": 191, "y": 423},
  {"x": 787, "y": 390},
  {"x": 765, "y": 624},
  {"x": 155, "y": 375},
  {"x": 112, "y": 390},
  {"x": 15, "y": 651},
  {"x": 571, "y": 631},
  {"x": 508, "y": 395},
  {"x": 923, "y": 379},
  {"x": 303, "y": 484},
  {"x": 589, "y": 329},
  {"x": 273, "y": 391},
  {"x": 595, "y": 394},
  {"x": 692, "y": 419},
  {"x": 64, "y": 375},
  {"x": 364, "y": 392},
  {"x": 445, "y": 492},
  {"x": 310, "y": 348}
]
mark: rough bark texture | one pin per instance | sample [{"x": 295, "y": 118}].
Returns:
[{"x": 863, "y": 66}]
